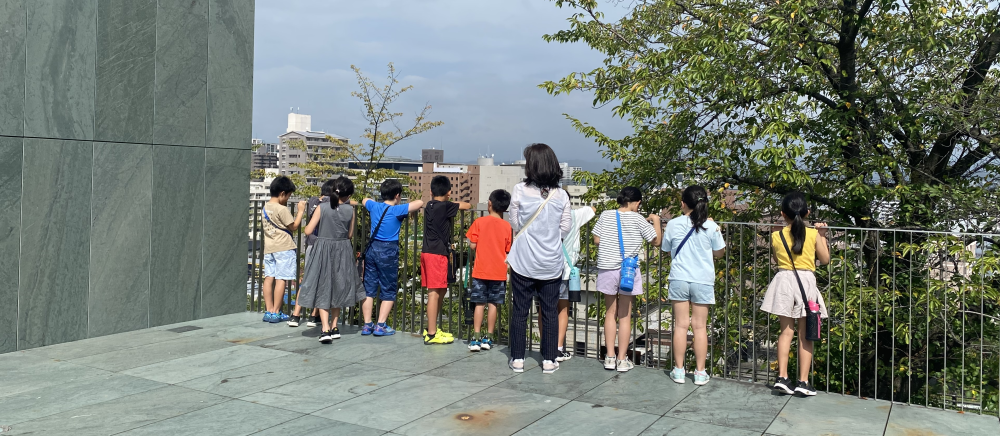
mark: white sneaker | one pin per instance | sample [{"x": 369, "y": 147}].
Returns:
[
  {"x": 564, "y": 356},
  {"x": 625, "y": 365},
  {"x": 517, "y": 365},
  {"x": 548, "y": 366},
  {"x": 609, "y": 363}
]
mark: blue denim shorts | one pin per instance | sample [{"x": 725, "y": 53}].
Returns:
[
  {"x": 487, "y": 291},
  {"x": 696, "y": 293},
  {"x": 280, "y": 265}
]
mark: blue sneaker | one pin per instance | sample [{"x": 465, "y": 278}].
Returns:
[
  {"x": 267, "y": 316},
  {"x": 383, "y": 329},
  {"x": 283, "y": 317},
  {"x": 367, "y": 329},
  {"x": 475, "y": 345},
  {"x": 677, "y": 375},
  {"x": 485, "y": 343},
  {"x": 701, "y": 378}
]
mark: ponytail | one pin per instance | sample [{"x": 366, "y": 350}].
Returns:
[
  {"x": 696, "y": 198},
  {"x": 344, "y": 189},
  {"x": 796, "y": 208}
]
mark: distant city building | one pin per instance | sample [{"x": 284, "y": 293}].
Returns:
[
  {"x": 299, "y": 123},
  {"x": 432, "y": 155},
  {"x": 493, "y": 177},
  {"x": 464, "y": 181},
  {"x": 576, "y": 193},
  {"x": 264, "y": 156},
  {"x": 290, "y": 159}
]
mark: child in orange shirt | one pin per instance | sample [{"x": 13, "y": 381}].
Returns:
[{"x": 491, "y": 237}]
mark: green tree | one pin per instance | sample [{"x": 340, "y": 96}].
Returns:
[
  {"x": 384, "y": 131},
  {"x": 883, "y": 111}
]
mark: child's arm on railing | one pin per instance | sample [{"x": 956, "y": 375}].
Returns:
[{"x": 822, "y": 245}]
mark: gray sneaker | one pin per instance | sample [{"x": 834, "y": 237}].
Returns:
[
  {"x": 625, "y": 365},
  {"x": 548, "y": 366}
]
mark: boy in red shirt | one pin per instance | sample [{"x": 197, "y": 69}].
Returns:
[{"x": 491, "y": 237}]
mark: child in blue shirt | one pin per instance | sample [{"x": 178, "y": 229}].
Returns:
[
  {"x": 382, "y": 256},
  {"x": 693, "y": 241}
]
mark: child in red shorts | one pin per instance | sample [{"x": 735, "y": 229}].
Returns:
[{"x": 435, "y": 271}]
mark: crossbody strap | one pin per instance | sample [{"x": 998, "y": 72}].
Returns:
[
  {"x": 533, "y": 216},
  {"x": 621, "y": 241},
  {"x": 263, "y": 209},
  {"x": 371, "y": 239},
  {"x": 678, "y": 250},
  {"x": 791, "y": 260}
]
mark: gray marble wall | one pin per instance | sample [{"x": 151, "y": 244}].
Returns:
[{"x": 124, "y": 149}]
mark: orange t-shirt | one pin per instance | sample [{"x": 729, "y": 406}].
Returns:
[{"x": 492, "y": 237}]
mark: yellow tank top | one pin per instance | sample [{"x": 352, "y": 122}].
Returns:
[{"x": 804, "y": 261}]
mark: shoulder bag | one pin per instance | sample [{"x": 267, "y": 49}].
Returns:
[
  {"x": 360, "y": 262},
  {"x": 814, "y": 317},
  {"x": 629, "y": 264},
  {"x": 533, "y": 216}
]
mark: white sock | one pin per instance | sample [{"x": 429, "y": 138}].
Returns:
[{"x": 560, "y": 349}]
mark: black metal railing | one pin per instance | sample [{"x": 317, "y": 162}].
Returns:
[{"x": 914, "y": 315}]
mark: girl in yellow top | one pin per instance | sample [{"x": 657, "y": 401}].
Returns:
[{"x": 783, "y": 297}]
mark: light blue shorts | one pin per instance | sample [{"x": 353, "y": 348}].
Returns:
[
  {"x": 696, "y": 293},
  {"x": 280, "y": 265}
]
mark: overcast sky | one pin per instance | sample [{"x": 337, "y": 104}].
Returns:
[{"x": 477, "y": 63}]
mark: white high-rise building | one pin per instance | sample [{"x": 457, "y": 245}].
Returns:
[{"x": 299, "y": 123}]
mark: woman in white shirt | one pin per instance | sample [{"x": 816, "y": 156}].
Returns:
[{"x": 540, "y": 215}]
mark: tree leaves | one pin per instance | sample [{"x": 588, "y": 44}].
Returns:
[{"x": 870, "y": 93}]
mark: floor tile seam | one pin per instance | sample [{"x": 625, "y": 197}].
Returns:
[
  {"x": 783, "y": 406},
  {"x": 888, "y": 416},
  {"x": 107, "y": 352},
  {"x": 88, "y": 405},
  {"x": 543, "y": 416},
  {"x": 178, "y": 384},
  {"x": 696, "y": 387},
  {"x": 132, "y": 348},
  {"x": 179, "y": 358},
  {"x": 359, "y": 395},
  {"x": 595, "y": 387},
  {"x": 225, "y": 399},
  {"x": 440, "y": 408},
  {"x": 423, "y": 372}
]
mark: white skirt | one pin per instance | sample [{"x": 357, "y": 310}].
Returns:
[{"x": 783, "y": 297}]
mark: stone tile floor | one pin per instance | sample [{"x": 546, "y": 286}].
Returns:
[{"x": 234, "y": 375}]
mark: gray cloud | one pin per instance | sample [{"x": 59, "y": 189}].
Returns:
[{"x": 477, "y": 63}]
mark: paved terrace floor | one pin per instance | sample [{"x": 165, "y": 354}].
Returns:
[{"x": 234, "y": 375}]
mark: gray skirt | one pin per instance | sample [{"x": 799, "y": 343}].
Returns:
[
  {"x": 331, "y": 277},
  {"x": 783, "y": 297}
]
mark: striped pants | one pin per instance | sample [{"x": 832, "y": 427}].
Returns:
[{"x": 523, "y": 290}]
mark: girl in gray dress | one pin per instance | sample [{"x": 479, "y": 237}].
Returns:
[{"x": 331, "y": 278}]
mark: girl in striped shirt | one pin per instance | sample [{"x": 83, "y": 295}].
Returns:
[{"x": 634, "y": 230}]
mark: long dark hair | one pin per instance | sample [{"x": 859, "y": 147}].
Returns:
[
  {"x": 696, "y": 199},
  {"x": 796, "y": 208},
  {"x": 541, "y": 167},
  {"x": 344, "y": 188}
]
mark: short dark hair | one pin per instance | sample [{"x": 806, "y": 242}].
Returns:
[
  {"x": 390, "y": 189},
  {"x": 281, "y": 185},
  {"x": 329, "y": 188},
  {"x": 500, "y": 201},
  {"x": 541, "y": 167},
  {"x": 629, "y": 194},
  {"x": 440, "y": 186}
]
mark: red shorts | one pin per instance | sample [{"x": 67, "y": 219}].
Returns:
[{"x": 433, "y": 271}]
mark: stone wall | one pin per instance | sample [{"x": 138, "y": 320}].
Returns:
[{"x": 124, "y": 152}]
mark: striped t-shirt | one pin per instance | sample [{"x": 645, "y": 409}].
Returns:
[{"x": 635, "y": 229}]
